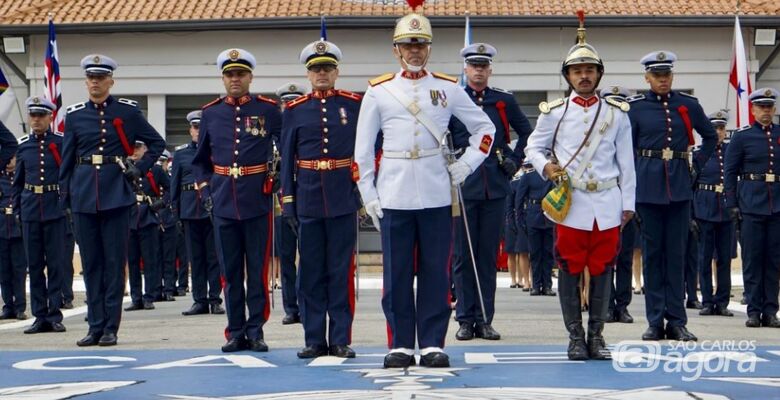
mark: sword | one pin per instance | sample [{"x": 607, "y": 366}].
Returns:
[
  {"x": 450, "y": 154},
  {"x": 272, "y": 173},
  {"x": 357, "y": 255},
  {"x": 138, "y": 189}
]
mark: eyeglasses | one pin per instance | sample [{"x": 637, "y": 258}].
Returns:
[{"x": 322, "y": 67}]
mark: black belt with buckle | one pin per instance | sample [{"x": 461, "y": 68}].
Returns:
[
  {"x": 188, "y": 186},
  {"x": 711, "y": 188},
  {"x": 41, "y": 189},
  {"x": 98, "y": 159},
  {"x": 665, "y": 154},
  {"x": 761, "y": 177}
]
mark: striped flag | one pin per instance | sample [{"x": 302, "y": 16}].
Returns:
[
  {"x": 740, "y": 78},
  {"x": 7, "y": 97},
  {"x": 466, "y": 42},
  {"x": 51, "y": 81}
]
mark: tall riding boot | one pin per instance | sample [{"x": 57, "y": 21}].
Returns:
[
  {"x": 569, "y": 295},
  {"x": 600, "y": 287}
]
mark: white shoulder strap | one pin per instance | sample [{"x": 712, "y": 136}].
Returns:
[
  {"x": 414, "y": 109},
  {"x": 594, "y": 144}
]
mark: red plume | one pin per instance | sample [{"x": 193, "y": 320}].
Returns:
[
  {"x": 581, "y": 16},
  {"x": 55, "y": 153},
  {"x": 415, "y": 3}
]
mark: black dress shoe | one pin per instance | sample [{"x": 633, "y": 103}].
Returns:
[
  {"x": 217, "y": 309},
  {"x": 486, "y": 332},
  {"x": 235, "y": 344},
  {"x": 597, "y": 349},
  {"x": 653, "y": 333},
  {"x": 548, "y": 292},
  {"x": 8, "y": 315},
  {"x": 134, "y": 307},
  {"x": 68, "y": 305},
  {"x": 341, "y": 351},
  {"x": 258, "y": 345},
  {"x": 148, "y": 305},
  {"x": 611, "y": 317},
  {"x": 535, "y": 292},
  {"x": 693, "y": 305},
  {"x": 435, "y": 359},
  {"x": 723, "y": 311},
  {"x": 21, "y": 316},
  {"x": 57, "y": 327},
  {"x": 180, "y": 292},
  {"x": 89, "y": 340},
  {"x": 290, "y": 319},
  {"x": 526, "y": 289},
  {"x": 753, "y": 321},
  {"x": 770, "y": 321},
  {"x": 108, "y": 339},
  {"x": 313, "y": 352},
  {"x": 680, "y": 333},
  {"x": 577, "y": 350},
  {"x": 708, "y": 310},
  {"x": 168, "y": 297},
  {"x": 465, "y": 332},
  {"x": 624, "y": 317},
  {"x": 196, "y": 309},
  {"x": 398, "y": 360},
  {"x": 39, "y": 326}
]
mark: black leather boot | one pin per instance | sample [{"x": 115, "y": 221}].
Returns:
[
  {"x": 569, "y": 295},
  {"x": 600, "y": 287}
]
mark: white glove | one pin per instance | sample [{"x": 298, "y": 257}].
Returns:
[
  {"x": 374, "y": 210},
  {"x": 459, "y": 171}
]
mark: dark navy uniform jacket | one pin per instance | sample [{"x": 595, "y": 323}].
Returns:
[
  {"x": 142, "y": 215},
  {"x": 38, "y": 163},
  {"x": 9, "y": 225},
  {"x": 531, "y": 189},
  {"x": 91, "y": 129},
  {"x": 710, "y": 205},
  {"x": 753, "y": 150},
  {"x": 489, "y": 181},
  {"x": 227, "y": 140},
  {"x": 168, "y": 217},
  {"x": 658, "y": 123},
  {"x": 185, "y": 200},
  {"x": 319, "y": 126},
  {"x": 8, "y": 146}
]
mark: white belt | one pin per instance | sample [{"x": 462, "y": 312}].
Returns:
[
  {"x": 594, "y": 186},
  {"x": 411, "y": 155}
]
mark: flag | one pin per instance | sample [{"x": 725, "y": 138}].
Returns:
[
  {"x": 7, "y": 97},
  {"x": 51, "y": 81},
  {"x": 323, "y": 29},
  {"x": 466, "y": 42},
  {"x": 740, "y": 78}
]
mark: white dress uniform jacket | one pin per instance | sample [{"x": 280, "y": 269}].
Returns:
[
  {"x": 614, "y": 158},
  {"x": 413, "y": 184}
]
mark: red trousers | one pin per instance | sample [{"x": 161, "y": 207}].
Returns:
[{"x": 576, "y": 249}]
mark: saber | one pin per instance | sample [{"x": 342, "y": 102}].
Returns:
[
  {"x": 273, "y": 250},
  {"x": 357, "y": 254},
  {"x": 450, "y": 155}
]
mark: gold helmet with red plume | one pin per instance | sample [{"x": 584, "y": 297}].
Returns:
[{"x": 413, "y": 27}]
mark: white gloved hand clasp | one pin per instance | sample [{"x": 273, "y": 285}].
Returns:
[
  {"x": 374, "y": 210},
  {"x": 459, "y": 171}
]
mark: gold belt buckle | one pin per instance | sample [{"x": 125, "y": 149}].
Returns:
[
  {"x": 414, "y": 154},
  {"x": 413, "y": 108},
  {"x": 97, "y": 159},
  {"x": 139, "y": 198},
  {"x": 235, "y": 172},
  {"x": 718, "y": 188},
  {"x": 9, "y": 211},
  {"x": 591, "y": 186},
  {"x": 38, "y": 189},
  {"x": 769, "y": 177},
  {"x": 667, "y": 154},
  {"x": 322, "y": 165}
]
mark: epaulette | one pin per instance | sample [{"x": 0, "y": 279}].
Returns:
[
  {"x": 688, "y": 95},
  {"x": 445, "y": 77},
  {"x": 500, "y": 90},
  {"x": 546, "y": 107},
  {"x": 59, "y": 134},
  {"x": 75, "y": 107},
  {"x": 131, "y": 103},
  {"x": 349, "y": 95},
  {"x": 622, "y": 105},
  {"x": 381, "y": 79},
  {"x": 215, "y": 101},
  {"x": 23, "y": 139},
  {"x": 744, "y": 128},
  {"x": 181, "y": 147},
  {"x": 635, "y": 97},
  {"x": 297, "y": 101},
  {"x": 267, "y": 100}
]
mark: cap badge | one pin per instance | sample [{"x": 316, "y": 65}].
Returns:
[
  {"x": 96, "y": 59},
  {"x": 768, "y": 93},
  {"x": 36, "y": 100},
  {"x": 720, "y": 114},
  {"x": 615, "y": 90},
  {"x": 414, "y": 24},
  {"x": 661, "y": 56},
  {"x": 481, "y": 48},
  {"x": 321, "y": 48},
  {"x": 292, "y": 88},
  {"x": 233, "y": 54}
]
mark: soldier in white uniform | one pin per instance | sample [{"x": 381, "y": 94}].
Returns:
[
  {"x": 590, "y": 140},
  {"x": 411, "y": 200}
]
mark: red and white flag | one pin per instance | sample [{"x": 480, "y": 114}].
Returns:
[
  {"x": 740, "y": 78},
  {"x": 51, "y": 81}
]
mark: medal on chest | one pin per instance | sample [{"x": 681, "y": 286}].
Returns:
[
  {"x": 343, "y": 115},
  {"x": 255, "y": 126}
]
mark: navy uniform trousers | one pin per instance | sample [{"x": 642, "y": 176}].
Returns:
[
  {"x": 243, "y": 251},
  {"x": 620, "y": 296},
  {"x": 44, "y": 245},
  {"x": 485, "y": 218},
  {"x": 430, "y": 232},
  {"x": 201, "y": 250},
  {"x": 168, "y": 259},
  {"x": 183, "y": 261},
  {"x": 691, "y": 273},
  {"x": 144, "y": 244},
  {"x": 286, "y": 244},
  {"x": 103, "y": 262},
  {"x": 67, "y": 276},
  {"x": 664, "y": 240},
  {"x": 760, "y": 262},
  {"x": 715, "y": 237},
  {"x": 13, "y": 275},
  {"x": 540, "y": 246},
  {"x": 329, "y": 245}
]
